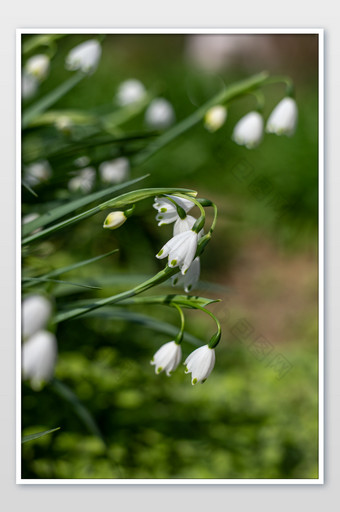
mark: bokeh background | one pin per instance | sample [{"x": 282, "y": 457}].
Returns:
[{"x": 257, "y": 414}]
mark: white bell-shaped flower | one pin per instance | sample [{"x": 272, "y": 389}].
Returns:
[
  {"x": 129, "y": 92},
  {"x": 114, "y": 171},
  {"x": 37, "y": 173},
  {"x": 249, "y": 130},
  {"x": 191, "y": 278},
  {"x": 160, "y": 114},
  {"x": 84, "y": 57},
  {"x": 38, "y": 66},
  {"x": 39, "y": 356},
  {"x": 29, "y": 86},
  {"x": 114, "y": 220},
  {"x": 200, "y": 363},
  {"x": 215, "y": 118},
  {"x": 283, "y": 119},
  {"x": 186, "y": 224},
  {"x": 167, "y": 212},
  {"x": 84, "y": 181},
  {"x": 181, "y": 250},
  {"x": 35, "y": 312},
  {"x": 167, "y": 358}
]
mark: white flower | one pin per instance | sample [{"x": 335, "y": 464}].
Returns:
[
  {"x": 36, "y": 311},
  {"x": 38, "y": 66},
  {"x": 64, "y": 124},
  {"x": 249, "y": 130},
  {"x": 181, "y": 250},
  {"x": 84, "y": 181},
  {"x": 84, "y": 56},
  {"x": 191, "y": 278},
  {"x": 167, "y": 358},
  {"x": 159, "y": 114},
  {"x": 200, "y": 363},
  {"x": 283, "y": 118},
  {"x": 37, "y": 173},
  {"x": 39, "y": 356},
  {"x": 30, "y": 217},
  {"x": 29, "y": 86},
  {"x": 215, "y": 118},
  {"x": 186, "y": 224},
  {"x": 114, "y": 220},
  {"x": 167, "y": 212},
  {"x": 129, "y": 92},
  {"x": 114, "y": 171}
]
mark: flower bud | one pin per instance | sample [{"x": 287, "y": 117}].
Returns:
[
  {"x": 215, "y": 118},
  {"x": 114, "y": 220}
]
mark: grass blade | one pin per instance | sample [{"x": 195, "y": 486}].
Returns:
[{"x": 31, "y": 437}]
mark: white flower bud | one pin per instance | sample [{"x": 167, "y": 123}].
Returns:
[
  {"x": 200, "y": 363},
  {"x": 215, "y": 118},
  {"x": 84, "y": 57},
  {"x": 114, "y": 220},
  {"x": 283, "y": 119},
  {"x": 114, "y": 171},
  {"x": 159, "y": 114},
  {"x": 167, "y": 358},
  {"x": 36, "y": 311},
  {"x": 38, "y": 66},
  {"x": 249, "y": 130},
  {"x": 129, "y": 92},
  {"x": 39, "y": 356}
]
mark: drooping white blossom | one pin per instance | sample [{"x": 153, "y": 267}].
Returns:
[
  {"x": 215, "y": 118},
  {"x": 114, "y": 171},
  {"x": 167, "y": 358},
  {"x": 249, "y": 130},
  {"x": 39, "y": 356},
  {"x": 35, "y": 311},
  {"x": 283, "y": 119},
  {"x": 114, "y": 220},
  {"x": 29, "y": 86},
  {"x": 84, "y": 57},
  {"x": 191, "y": 278},
  {"x": 200, "y": 363},
  {"x": 186, "y": 224},
  {"x": 37, "y": 173},
  {"x": 160, "y": 114},
  {"x": 181, "y": 250},
  {"x": 38, "y": 66},
  {"x": 129, "y": 92},
  {"x": 167, "y": 212},
  {"x": 84, "y": 181}
]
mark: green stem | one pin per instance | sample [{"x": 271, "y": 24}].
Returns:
[
  {"x": 162, "y": 276},
  {"x": 199, "y": 224},
  {"x": 230, "y": 93},
  {"x": 217, "y": 336},
  {"x": 214, "y": 219},
  {"x": 179, "y": 337}
]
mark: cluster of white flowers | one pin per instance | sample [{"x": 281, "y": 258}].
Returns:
[
  {"x": 199, "y": 363},
  {"x": 249, "y": 130},
  {"x": 39, "y": 350},
  {"x": 110, "y": 172},
  {"x": 181, "y": 248}
]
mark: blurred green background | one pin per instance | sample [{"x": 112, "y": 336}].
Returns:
[{"x": 257, "y": 414}]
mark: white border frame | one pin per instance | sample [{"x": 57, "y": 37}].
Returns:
[{"x": 319, "y": 481}]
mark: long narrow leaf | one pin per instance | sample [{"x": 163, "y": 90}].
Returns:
[
  {"x": 32, "y": 281},
  {"x": 31, "y": 437},
  {"x": 79, "y": 264},
  {"x": 71, "y": 206}
]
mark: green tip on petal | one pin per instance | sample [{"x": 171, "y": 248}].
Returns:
[
  {"x": 159, "y": 369},
  {"x": 194, "y": 381},
  {"x": 163, "y": 210},
  {"x": 160, "y": 252},
  {"x": 173, "y": 263}
]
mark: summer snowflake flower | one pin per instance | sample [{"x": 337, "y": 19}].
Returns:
[
  {"x": 249, "y": 130},
  {"x": 39, "y": 356},
  {"x": 167, "y": 358},
  {"x": 191, "y": 278},
  {"x": 181, "y": 250},
  {"x": 84, "y": 181},
  {"x": 29, "y": 86},
  {"x": 159, "y": 114},
  {"x": 215, "y": 118},
  {"x": 200, "y": 363},
  {"x": 129, "y": 92},
  {"x": 38, "y": 66},
  {"x": 186, "y": 224},
  {"x": 114, "y": 220},
  {"x": 114, "y": 171},
  {"x": 35, "y": 312},
  {"x": 167, "y": 212},
  {"x": 283, "y": 118},
  {"x": 84, "y": 57}
]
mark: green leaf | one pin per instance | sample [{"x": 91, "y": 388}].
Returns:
[
  {"x": 71, "y": 206},
  {"x": 31, "y": 437},
  {"x": 79, "y": 264},
  {"x": 31, "y": 281},
  {"x": 52, "y": 97},
  {"x": 30, "y": 190},
  {"x": 82, "y": 412},
  {"x": 186, "y": 301}
]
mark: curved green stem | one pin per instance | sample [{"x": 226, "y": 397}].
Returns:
[
  {"x": 217, "y": 336},
  {"x": 181, "y": 212},
  {"x": 179, "y": 336},
  {"x": 213, "y": 224},
  {"x": 199, "y": 224},
  {"x": 282, "y": 79}
]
